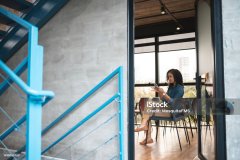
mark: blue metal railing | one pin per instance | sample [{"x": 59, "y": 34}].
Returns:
[
  {"x": 18, "y": 71},
  {"x": 86, "y": 135},
  {"x": 41, "y": 96},
  {"x": 36, "y": 96},
  {"x": 118, "y": 96}
]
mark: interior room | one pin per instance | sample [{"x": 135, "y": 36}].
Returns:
[{"x": 170, "y": 35}]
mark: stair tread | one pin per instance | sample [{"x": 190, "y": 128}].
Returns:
[
  {"x": 19, "y": 5},
  {"x": 7, "y": 47},
  {"x": 6, "y": 21}
]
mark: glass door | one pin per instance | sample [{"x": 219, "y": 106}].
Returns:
[{"x": 205, "y": 82}]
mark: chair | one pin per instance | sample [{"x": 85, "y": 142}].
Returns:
[
  {"x": 137, "y": 112},
  {"x": 172, "y": 117}
]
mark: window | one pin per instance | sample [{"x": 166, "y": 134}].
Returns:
[
  {"x": 141, "y": 92},
  {"x": 183, "y": 60},
  {"x": 144, "y": 49},
  {"x": 144, "y": 40},
  {"x": 177, "y": 46},
  {"x": 190, "y": 92},
  {"x": 180, "y": 54},
  {"x": 176, "y": 36},
  {"x": 144, "y": 68}
]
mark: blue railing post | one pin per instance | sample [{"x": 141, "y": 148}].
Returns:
[
  {"x": 34, "y": 108},
  {"x": 121, "y": 113},
  {"x": 35, "y": 96}
]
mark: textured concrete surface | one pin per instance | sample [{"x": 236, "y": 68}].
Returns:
[
  {"x": 83, "y": 43},
  {"x": 231, "y": 35}
]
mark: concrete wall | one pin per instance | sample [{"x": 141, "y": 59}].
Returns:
[
  {"x": 231, "y": 36},
  {"x": 83, "y": 43}
]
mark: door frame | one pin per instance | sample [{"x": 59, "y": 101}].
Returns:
[
  {"x": 220, "y": 124},
  {"x": 130, "y": 78},
  {"x": 217, "y": 41}
]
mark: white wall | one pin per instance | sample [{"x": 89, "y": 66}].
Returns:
[{"x": 206, "y": 56}]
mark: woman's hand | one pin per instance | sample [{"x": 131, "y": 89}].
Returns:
[{"x": 158, "y": 89}]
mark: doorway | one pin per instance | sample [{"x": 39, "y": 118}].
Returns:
[{"x": 156, "y": 43}]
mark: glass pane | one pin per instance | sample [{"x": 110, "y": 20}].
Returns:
[
  {"x": 143, "y": 92},
  {"x": 144, "y": 49},
  {"x": 190, "y": 92},
  {"x": 177, "y": 36},
  {"x": 144, "y": 68},
  {"x": 145, "y": 40},
  {"x": 183, "y": 60},
  {"x": 177, "y": 46}
]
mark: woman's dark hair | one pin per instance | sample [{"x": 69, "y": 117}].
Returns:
[{"x": 177, "y": 76}]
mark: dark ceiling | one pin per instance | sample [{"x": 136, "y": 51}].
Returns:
[{"x": 149, "y": 11}]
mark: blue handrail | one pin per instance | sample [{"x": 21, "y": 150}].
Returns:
[
  {"x": 16, "y": 19},
  {"x": 119, "y": 95},
  {"x": 12, "y": 128},
  {"x": 36, "y": 96},
  {"x": 81, "y": 100},
  {"x": 18, "y": 71},
  {"x": 29, "y": 91},
  {"x": 81, "y": 122}
]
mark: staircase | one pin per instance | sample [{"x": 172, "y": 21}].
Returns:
[
  {"x": 37, "y": 12},
  {"x": 31, "y": 93}
]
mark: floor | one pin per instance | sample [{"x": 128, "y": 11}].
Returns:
[{"x": 167, "y": 147}]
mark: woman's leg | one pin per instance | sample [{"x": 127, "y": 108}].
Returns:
[
  {"x": 144, "y": 123},
  {"x": 148, "y": 139}
]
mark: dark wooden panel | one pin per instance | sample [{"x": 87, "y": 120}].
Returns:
[
  {"x": 149, "y": 11},
  {"x": 19, "y": 5},
  {"x": 163, "y": 18}
]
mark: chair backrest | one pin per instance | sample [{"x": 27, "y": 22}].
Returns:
[
  {"x": 185, "y": 103},
  {"x": 156, "y": 99}
]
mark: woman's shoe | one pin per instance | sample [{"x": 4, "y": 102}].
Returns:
[
  {"x": 148, "y": 141},
  {"x": 143, "y": 128}
]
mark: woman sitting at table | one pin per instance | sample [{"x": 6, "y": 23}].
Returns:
[{"x": 175, "y": 90}]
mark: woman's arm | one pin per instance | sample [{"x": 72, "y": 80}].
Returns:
[{"x": 162, "y": 94}]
